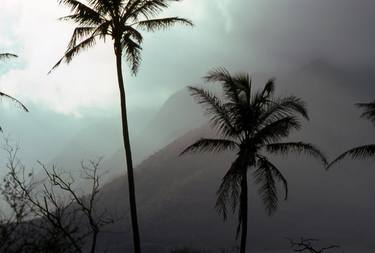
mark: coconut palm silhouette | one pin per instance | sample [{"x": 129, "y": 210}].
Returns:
[
  {"x": 122, "y": 22},
  {"x": 365, "y": 151},
  {"x": 252, "y": 124}
]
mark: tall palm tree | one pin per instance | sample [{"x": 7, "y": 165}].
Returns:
[
  {"x": 5, "y": 56},
  {"x": 252, "y": 124},
  {"x": 365, "y": 151},
  {"x": 120, "y": 21}
]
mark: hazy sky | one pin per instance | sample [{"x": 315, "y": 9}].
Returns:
[
  {"x": 273, "y": 37},
  {"x": 249, "y": 35}
]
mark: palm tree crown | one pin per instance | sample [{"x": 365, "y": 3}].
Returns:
[
  {"x": 365, "y": 151},
  {"x": 119, "y": 20},
  {"x": 252, "y": 124}
]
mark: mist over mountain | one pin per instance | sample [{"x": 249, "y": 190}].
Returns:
[
  {"x": 60, "y": 139},
  {"x": 177, "y": 115},
  {"x": 176, "y": 195}
]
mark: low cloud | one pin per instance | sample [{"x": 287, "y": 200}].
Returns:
[{"x": 241, "y": 35}]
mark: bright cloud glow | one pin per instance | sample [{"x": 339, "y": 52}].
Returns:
[
  {"x": 88, "y": 81},
  {"x": 31, "y": 30}
]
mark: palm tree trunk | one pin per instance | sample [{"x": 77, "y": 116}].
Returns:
[
  {"x": 129, "y": 162},
  {"x": 243, "y": 212}
]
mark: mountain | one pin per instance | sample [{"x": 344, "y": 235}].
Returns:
[
  {"x": 40, "y": 134},
  {"x": 176, "y": 116},
  {"x": 176, "y": 195}
]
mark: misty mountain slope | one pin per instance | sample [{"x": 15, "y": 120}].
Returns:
[
  {"x": 176, "y": 194},
  {"x": 177, "y": 115},
  {"x": 100, "y": 139},
  {"x": 313, "y": 82},
  {"x": 41, "y": 134}
]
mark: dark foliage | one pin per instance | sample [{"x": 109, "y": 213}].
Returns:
[
  {"x": 253, "y": 124},
  {"x": 365, "y": 151}
]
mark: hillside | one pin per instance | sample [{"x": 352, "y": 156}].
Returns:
[
  {"x": 176, "y": 197},
  {"x": 176, "y": 194}
]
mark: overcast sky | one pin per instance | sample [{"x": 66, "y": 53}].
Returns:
[
  {"x": 272, "y": 37},
  {"x": 250, "y": 35}
]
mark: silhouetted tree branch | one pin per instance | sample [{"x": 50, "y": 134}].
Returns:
[
  {"x": 306, "y": 245},
  {"x": 52, "y": 207}
]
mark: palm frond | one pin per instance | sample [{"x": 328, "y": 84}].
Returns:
[
  {"x": 369, "y": 110},
  {"x": 362, "y": 152},
  {"x": 83, "y": 13},
  {"x": 269, "y": 88},
  {"x": 16, "y": 101},
  {"x": 103, "y": 30},
  {"x": 80, "y": 33},
  {"x": 152, "y": 25},
  {"x": 210, "y": 145},
  {"x": 220, "y": 117},
  {"x": 276, "y": 130},
  {"x": 136, "y": 35},
  {"x": 297, "y": 147},
  {"x": 276, "y": 174},
  {"x": 223, "y": 76},
  {"x": 147, "y": 8},
  {"x": 5, "y": 56},
  {"x": 243, "y": 81},
  {"x": 294, "y": 104},
  {"x": 231, "y": 86},
  {"x": 282, "y": 107},
  {"x": 130, "y": 6},
  {"x": 132, "y": 52},
  {"x": 267, "y": 186},
  {"x": 230, "y": 188},
  {"x": 4, "y": 95},
  {"x": 83, "y": 20},
  {"x": 70, "y": 54},
  {"x": 107, "y": 7}
]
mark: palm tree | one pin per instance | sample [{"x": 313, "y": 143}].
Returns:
[
  {"x": 120, "y": 21},
  {"x": 252, "y": 124},
  {"x": 365, "y": 151},
  {"x": 5, "y": 56}
]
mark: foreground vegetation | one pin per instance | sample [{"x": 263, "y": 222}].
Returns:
[{"x": 49, "y": 213}]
